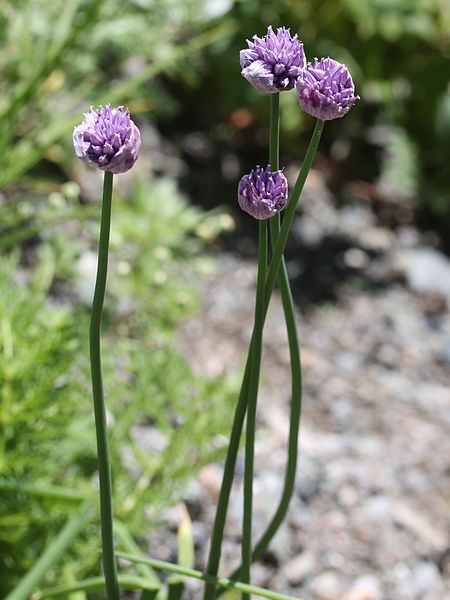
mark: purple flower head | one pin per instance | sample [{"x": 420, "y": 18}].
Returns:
[
  {"x": 108, "y": 139},
  {"x": 326, "y": 89},
  {"x": 273, "y": 63},
  {"x": 263, "y": 192}
]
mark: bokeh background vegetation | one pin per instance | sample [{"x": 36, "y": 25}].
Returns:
[{"x": 175, "y": 64}]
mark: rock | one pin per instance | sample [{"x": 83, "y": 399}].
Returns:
[
  {"x": 327, "y": 586},
  {"x": 309, "y": 477},
  {"x": 149, "y": 438},
  {"x": 348, "y": 361},
  {"x": 280, "y": 546},
  {"x": 261, "y": 575},
  {"x": 86, "y": 269},
  {"x": 353, "y": 219},
  {"x": 377, "y": 239},
  {"x": 366, "y": 587},
  {"x": 299, "y": 568},
  {"x": 433, "y": 304},
  {"x": 355, "y": 258},
  {"x": 210, "y": 478},
  {"x": 427, "y": 578},
  {"x": 428, "y": 535},
  {"x": 370, "y": 509},
  {"x": 444, "y": 352},
  {"x": 426, "y": 270}
]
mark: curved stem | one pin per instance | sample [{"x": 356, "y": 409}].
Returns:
[
  {"x": 104, "y": 467},
  {"x": 290, "y": 209},
  {"x": 296, "y": 407},
  {"x": 241, "y": 407},
  {"x": 240, "y": 411},
  {"x": 296, "y": 371},
  {"x": 227, "y": 479},
  {"x": 294, "y": 352},
  {"x": 296, "y": 402},
  {"x": 251, "y": 408},
  {"x": 256, "y": 358}
]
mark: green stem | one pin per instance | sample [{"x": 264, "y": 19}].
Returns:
[
  {"x": 252, "y": 395},
  {"x": 241, "y": 406},
  {"x": 296, "y": 401},
  {"x": 51, "y": 555},
  {"x": 104, "y": 467},
  {"x": 296, "y": 406},
  {"x": 96, "y": 584},
  {"x": 216, "y": 581},
  {"x": 227, "y": 479},
  {"x": 274, "y": 135},
  {"x": 296, "y": 371},
  {"x": 251, "y": 407},
  {"x": 290, "y": 209}
]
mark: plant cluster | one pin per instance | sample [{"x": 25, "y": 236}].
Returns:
[
  {"x": 48, "y": 457},
  {"x": 109, "y": 140},
  {"x": 48, "y": 463}
]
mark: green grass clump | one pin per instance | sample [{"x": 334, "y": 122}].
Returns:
[{"x": 165, "y": 421}]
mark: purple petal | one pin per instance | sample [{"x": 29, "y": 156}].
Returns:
[{"x": 108, "y": 139}]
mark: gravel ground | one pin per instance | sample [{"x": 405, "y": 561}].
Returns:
[{"x": 370, "y": 518}]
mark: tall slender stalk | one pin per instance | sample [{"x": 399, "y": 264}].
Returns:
[
  {"x": 212, "y": 567},
  {"x": 296, "y": 403},
  {"x": 294, "y": 352},
  {"x": 251, "y": 407},
  {"x": 104, "y": 466},
  {"x": 274, "y": 132},
  {"x": 241, "y": 406},
  {"x": 291, "y": 207},
  {"x": 296, "y": 406},
  {"x": 256, "y": 360}
]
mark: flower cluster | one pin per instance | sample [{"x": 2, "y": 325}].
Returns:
[
  {"x": 108, "y": 139},
  {"x": 263, "y": 192},
  {"x": 277, "y": 63},
  {"x": 273, "y": 63},
  {"x": 326, "y": 90}
]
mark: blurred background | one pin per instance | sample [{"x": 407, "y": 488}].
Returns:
[{"x": 368, "y": 262}]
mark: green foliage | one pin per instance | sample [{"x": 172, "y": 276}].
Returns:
[
  {"x": 38, "y": 348},
  {"x": 398, "y": 53},
  {"x": 164, "y": 421},
  {"x": 397, "y": 50},
  {"x": 399, "y": 168},
  {"x": 177, "y": 62},
  {"x": 95, "y": 51}
]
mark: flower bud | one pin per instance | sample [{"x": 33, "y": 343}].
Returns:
[
  {"x": 326, "y": 90},
  {"x": 273, "y": 63},
  {"x": 108, "y": 139},
  {"x": 263, "y": 193}
]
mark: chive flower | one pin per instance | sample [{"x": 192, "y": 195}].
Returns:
[
  {"x": 326, "y": 90},
  {"x": 263, "y": 193},
  {"x": 273, "y": 63},
  {"x": 108, "y": 139}
]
